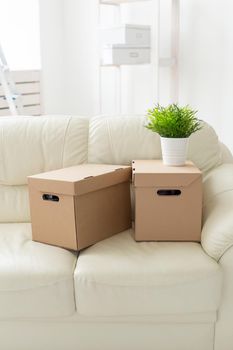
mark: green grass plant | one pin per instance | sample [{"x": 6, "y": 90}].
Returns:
[{"x": 173, "y": 121}]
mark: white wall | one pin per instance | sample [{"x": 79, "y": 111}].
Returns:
[
  {"x": 206, "y": 81},
  {"x": 52, "y": 58},
  {"x": 81, "y": 56},
  {"x": 206, "y": 56},
  {"x": 69, "y": 45}
]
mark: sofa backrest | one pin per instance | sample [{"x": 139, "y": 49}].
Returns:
[
  {"x": 31, "y": 145},
  {"x": 119, "y": 139}
]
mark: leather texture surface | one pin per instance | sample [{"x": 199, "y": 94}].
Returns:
[
  {"x": 217, "y": 231},
  {"x": 14, "y": 204},
  {"x": 36, "y": 280},
  {"x": 31, "y": 145},
  {"x": 119, "y": 276},
  {"x": 63, "y": 335},
  {"x": 224, "y": 325},
  {"x": 227, "y": 157},
  {"x": 120, "y": 139}
]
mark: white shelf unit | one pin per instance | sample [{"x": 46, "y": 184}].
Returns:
[{"x": 157, "y": 61}]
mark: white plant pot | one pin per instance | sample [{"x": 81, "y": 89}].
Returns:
[{"x": 174, "y": 150}]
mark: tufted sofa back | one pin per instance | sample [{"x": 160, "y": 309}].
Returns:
[{"x": 31, "y": 145}]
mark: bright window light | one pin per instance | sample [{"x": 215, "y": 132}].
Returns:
[{"x": 19, "y": 33}]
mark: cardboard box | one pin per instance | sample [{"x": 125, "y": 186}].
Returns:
[
  {"x": 168, "y": 201},
  {"x": 78, "y": 206}
]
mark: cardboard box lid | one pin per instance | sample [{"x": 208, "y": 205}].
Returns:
[
  {"x": 148, "y": 173},
  {"x": 80, "y": 179}
]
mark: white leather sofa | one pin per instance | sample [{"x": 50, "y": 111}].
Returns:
[{"x": 117, "y": 294}]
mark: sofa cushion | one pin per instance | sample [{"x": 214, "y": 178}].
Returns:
[
  {"x": 14, "y": 204},
  {"x": 120, "y": 139},
  {"x": 217, "y": 181},
  {"x": 36, "y": 280},
  {"x": 227, "y": 156},
  {"x": 121, "y": 277},
  {"x": 217, "y": 231},
  {"x": 31, "y": 145}
]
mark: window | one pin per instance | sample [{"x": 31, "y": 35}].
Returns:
[{"x": 19, "y": 33}]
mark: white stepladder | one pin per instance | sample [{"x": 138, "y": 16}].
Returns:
[{"x": 12, "y": 96}]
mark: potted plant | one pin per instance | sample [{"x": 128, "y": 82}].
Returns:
[{"x": 174, "y": 124}]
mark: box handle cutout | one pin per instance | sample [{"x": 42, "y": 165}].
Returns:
[
  {"x": 169, "y": 192},
  {"x": 50, "y": 197}
]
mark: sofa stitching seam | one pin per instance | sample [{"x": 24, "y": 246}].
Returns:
[
  {"x": 146, "y": 285},
  {"x": 64, "y": 140},
  {"x": 88, "y": 140},
  {"x": 37, "y": 287},
  {"x": 224, "y": 250},
  {"x": 110, "y": 138}
]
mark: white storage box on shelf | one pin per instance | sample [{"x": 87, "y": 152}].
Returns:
[
  {"x": 128, "y": 34},
  {"x": 118, "y": 2},
  {"x": 118, "y": 54}
]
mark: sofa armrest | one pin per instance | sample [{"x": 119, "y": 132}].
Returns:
[
  {"x": 227, "y": 156},
  {"x": 217, "y": 231}
]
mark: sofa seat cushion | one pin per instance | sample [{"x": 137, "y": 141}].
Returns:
[
  {"x": 36, "y": 280},
  {"x": 121, "y": 277}
]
